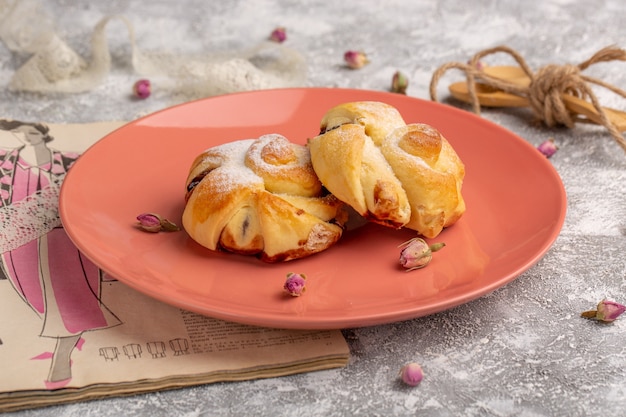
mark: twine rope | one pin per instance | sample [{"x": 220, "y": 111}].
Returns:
[{"x": 546, "y": 88}]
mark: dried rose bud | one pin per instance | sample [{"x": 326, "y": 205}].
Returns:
[
  {"x": 295, "y": 284},
  {"x": 548, "y": 148},
  {"x": 416, "y": 253},
  {"x": 142, "y": 89},
  {"x": 606, "y": 311},
  {"x": 279, "y": 35},
  {"x": 411, "y": 374},
  {"x": 154, "y": 223},
  {"x": 399, "y": 83},
  {"x": 609, "y": 310},
  {"x": 149, "y": 222},
  {"x": 355, "y": 59}
]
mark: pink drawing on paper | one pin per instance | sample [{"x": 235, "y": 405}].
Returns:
[{"x": 58, "y": 283}]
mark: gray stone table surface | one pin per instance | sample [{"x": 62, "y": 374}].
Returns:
[{"x": 522, "y": 350}]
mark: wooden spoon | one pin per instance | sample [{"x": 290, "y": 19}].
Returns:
[{"x": 492, "y": 97}]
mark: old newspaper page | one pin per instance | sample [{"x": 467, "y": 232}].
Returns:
[{"x": 70, "y": 332}]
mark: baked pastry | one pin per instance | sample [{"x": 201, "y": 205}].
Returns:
[
  {"x": 354, "y": 170},
  {"x": 378, "y": 119},
  {"x": 260, "y": 197},
  {"x": 392, "y": 173},
  {"x": 432, "y": 175}
]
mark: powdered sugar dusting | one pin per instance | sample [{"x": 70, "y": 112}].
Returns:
[
  {"x": 228, "y": 153},
  {"x": 391, "y": 148},
  {"x": 385, "y": 114},
  {"x": 284, "y": 166},
  {"x": 231, "y": 169},
  {"x": 277, "y": 147}
]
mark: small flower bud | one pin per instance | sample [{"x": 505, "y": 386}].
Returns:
[
  {"x": 142, "y": 89},
  {"x": 609, "y": 310},
  {"x": 399, "y": 83},
  {"x": 279, "y": 35},
  {"x": 606, "y": 311},
  {"x": 548, "y": 148},
  {"x": 154, "y": 223},
  {"x": 149, "y": 222},
  {"x": 355, "y": 59},
  {"x": 295, "y": 284},
  {"x": 411, "y": 374},
  {"x": 416, "y": 253}
]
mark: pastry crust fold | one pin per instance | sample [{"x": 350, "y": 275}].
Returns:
[
  {"x": 260, "y": 197},
  {"x": 392, "y": 173}
]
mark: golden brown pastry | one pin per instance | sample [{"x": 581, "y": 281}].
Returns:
[
  {"x": 395, "y": 174},
  {"x": 378, "y": 119},
  {"x": 260, "y": 197},
  {"x": 431, "y": 173},
  {"x": 355, "y": 171}
]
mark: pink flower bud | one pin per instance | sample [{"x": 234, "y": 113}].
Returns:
[
  {"x": 399, "y": 83},
  {"x": 142, "y": 89},
  {"x": 295, "y": 284},
  {"x": 355, "y": 59},
  {"x": 149, "y": 222},
  {"x": 606, "y": 311},
  {"x": 154, "y": 223},
  {"x": 609, "y": 310},
  {"x": 548, "y": 148},
  {"x": 416, "y": 253},
  {"x": 411, "y": 374},
  {"x": 279, "y": 35}
]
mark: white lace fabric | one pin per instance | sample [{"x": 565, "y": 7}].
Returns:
[
  {"x": 55, "y": 67},
  {"x": 31, "y": 217}
]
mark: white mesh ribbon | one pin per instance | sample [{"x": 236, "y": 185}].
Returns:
[
  {"x": 18, "y": 30},
  {"x": 55, "y": 67},
  {"x": 31, "y": 217}
]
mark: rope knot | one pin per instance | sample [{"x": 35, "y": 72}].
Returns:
[{"x": 546, "y": 90}]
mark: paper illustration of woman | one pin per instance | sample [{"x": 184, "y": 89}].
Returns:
[{"x": 56, "y": 281}]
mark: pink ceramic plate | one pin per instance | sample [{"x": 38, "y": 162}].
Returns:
[{"x": 516, "y": 207}]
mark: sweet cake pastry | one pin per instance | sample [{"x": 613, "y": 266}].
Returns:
[
  {"x": 260, "y": 197},
  {"x": 389, "y": 172}
]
